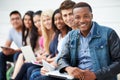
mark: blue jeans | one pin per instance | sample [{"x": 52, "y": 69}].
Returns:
[
  {"x": 3, "y": 60},
  {"x": 42, "y": 77},
  {"x": 47, "y": 78},
  {"x": 35, "y": 74},
  {"x": 51, "y": 78},
  {"x": 31, "y": 70}
]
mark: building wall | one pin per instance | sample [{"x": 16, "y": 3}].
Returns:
[{"x": 106, "y": 12}]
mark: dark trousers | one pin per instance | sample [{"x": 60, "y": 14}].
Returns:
[
  {"x": 3, "y": 60},
  {"x": 51, "y": 78},
  {"x": 47, "y": 78}
]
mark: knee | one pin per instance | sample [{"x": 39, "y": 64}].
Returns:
[
  {"x": 2, "y": 55},
  {"x": 35, "y": 75},
  {"x": 16, "y": 56},
  {"x": 29, "y": 70},
  {"x": 2, "y": 59}
]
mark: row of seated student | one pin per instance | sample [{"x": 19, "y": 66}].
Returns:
[
  {"x": 47, "y": 34},
  {"x": 51, "y": 30}
]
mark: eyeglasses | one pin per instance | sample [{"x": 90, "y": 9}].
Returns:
[{"x": 17, "y": 18}]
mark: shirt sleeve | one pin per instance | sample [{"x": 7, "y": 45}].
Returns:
[
  {"x": 113, "y": 69},
  {"x": 10, "y": 35}
]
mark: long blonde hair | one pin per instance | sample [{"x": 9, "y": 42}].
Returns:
[{"x": 47, "y": 34}]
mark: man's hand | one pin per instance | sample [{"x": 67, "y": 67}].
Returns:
[
  {"x": 89, "y": 75},
  {"x": 18, "y": 50},
  {"x": 8, "y": 51},
  {"x": 75, "y": 72},
  {"x": 43, "y": 71}
]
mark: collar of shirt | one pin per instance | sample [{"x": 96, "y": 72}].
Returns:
[{"x": 90, "y": 34}]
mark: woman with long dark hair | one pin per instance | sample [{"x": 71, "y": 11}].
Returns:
[
  {"x": 27, "y": 25},
  {"x": 36, "y": 32}
]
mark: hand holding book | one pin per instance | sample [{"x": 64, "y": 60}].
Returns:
[{"x": 7, "y": 50}]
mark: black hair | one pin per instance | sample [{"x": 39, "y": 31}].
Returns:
[
  {"x": 38, "y": 13},
  {"x": 34, "y": 32},
  {"x": 25, "y": 31},
  {"x": 33, "y": 37},
  {"x": 15, "y": 12},
  {"x": 54, "y": 26},
  {"x": 83, "y": 4}
]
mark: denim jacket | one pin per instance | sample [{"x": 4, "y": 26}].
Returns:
[{"x": 104, "y": 50}]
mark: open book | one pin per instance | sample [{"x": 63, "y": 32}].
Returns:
[
  {"x": 29, "y": 55},
  {"x": 55, "y": 73}
]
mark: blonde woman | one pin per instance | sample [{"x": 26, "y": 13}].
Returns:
[
  {"x": 48, "y": 32},
  {"x": 47, "y": 29},
  {"x": 49, "y": 36}
]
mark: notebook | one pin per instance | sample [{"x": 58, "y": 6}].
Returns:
[
  {"x": 28, "y": 53},
  {"x": 55, "y": 73}
]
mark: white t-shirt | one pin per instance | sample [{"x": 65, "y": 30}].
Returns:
[{"x": 60, "y": 40}]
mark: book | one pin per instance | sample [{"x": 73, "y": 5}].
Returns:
[
  {"x": 3, "y": 47},
  {"x": 28, "y": 53},
  {"x": 48, "y": 66},
  {"x": 55, "y": 73}
]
